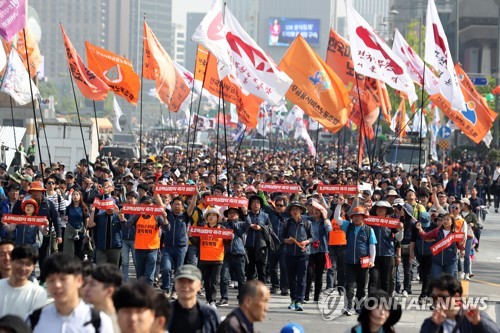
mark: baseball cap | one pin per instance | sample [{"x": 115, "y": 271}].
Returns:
[{"x": 190, "y": 272}]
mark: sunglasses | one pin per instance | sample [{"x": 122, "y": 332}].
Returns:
[
  {"x": 280, "y": 205},
  {"x": 455, "y": 207},
  {"x": 50, "y": 183}
]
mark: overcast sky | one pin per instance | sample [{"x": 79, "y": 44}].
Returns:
[{"x": 181, "y": 7}]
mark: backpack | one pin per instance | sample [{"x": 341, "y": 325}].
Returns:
[
  {"x": 366, "y": 228},
  {"x": 95, "y": 319},
  {"x": 307, "y": 225}
]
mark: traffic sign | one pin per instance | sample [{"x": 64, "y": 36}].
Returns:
[
  {"x": 444, "y": 144},
  {"x": 444, "y": 132},
  {"x": 480, "y": 81}
]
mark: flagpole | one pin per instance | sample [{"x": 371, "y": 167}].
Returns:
[
  {"x": 376, "y": 134},
  {"x": 225, "y": 136},
  {"x": 140, "y": 108},
  {"x": 421, "y": 122},
  {"x": 170, "y": 125},
  {"x": 97, "y": 128},
  {"x": 338, "y": 149},
  {"x": 44, "y": 131},
  {"x": 239, "y": 145},
  {"x": 217, "y": 140},
  {"x": 34, "y": 112},
  {"x": 362, "y": 127},
  {"x": 317, "y": 149},
  {"x": 79, "y": 118},
  {"x": 13, "y": 125}
]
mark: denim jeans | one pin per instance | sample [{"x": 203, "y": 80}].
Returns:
[
  {"x": 234, "y": 263},
  {"x": 145, "y": 263},
  {"x": 277, "y": 260},
  {"x": 296, "y": 267},
  {"x": 192, "y": 255},
  {"x": 438, "y": 269},
  {"x": 467, "y": 261},
  {"x": 335, "y": 275},
  {"x": 173, "y": 258},
  {"x": 127, "y": 248}
]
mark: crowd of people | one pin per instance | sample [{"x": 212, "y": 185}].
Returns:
[{"x": 282, "y": 244}]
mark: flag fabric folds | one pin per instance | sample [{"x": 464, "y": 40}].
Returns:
[
  {"x": 170, "y": 86},
  {"x": 13, "y": 17},
  {"x": 247, "y": 105},
  {"x": 16, "y": 81},
  {"x": 372, "y": 57},
  {"x": 238, "y": 133},
  {"x": 118, "y": 113},
  {"x": 35, "y": 57},
  {"x": 475, "y": 119},
  {"x": 415, "y": 65},
  {"x": 203, "y": 123},
  {"x": 116, "y": 71},
  {"x": 239, "y": 55},
  {"x": 399, "y": 120},
  {"x": 90, "y": 85},
  {"x": 316, "y": 88},
  {"x": 438, "y": 55},
  {"x": 419, "y": 124},
  {"x": 3, "y": 58},
  {"x": 301, "y": 131}
]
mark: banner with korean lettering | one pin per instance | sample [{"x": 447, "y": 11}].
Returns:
[
  {"x": 226, "y": 201},
  {"x": 12, "y": 18},
  {"x": 476, "y": 119},
  {"x": 176, "y": 189},
  {"x": 104, "y": 204},
  {"x": 338, "y": 57},
  {"x": 23, "y": 219},
  {"x": 142, "y": 209},
  {"x": 205, "y": 231},
  {"x": 338, "y": 189},
  {"x": 247, "y": 105},
  {"x": 90, "y": 85},
  {"x": 283, "y": 188},
  {"x": 446, "y": 242},
  {"x": 316, "y": 88},
  {"x": 115, "y": 70},
  {"x": 378, "y": 221}
]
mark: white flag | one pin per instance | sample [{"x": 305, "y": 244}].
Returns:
[
  {"x": 239, "y": 55},
  {"x": 415, "y": 65},
  {"x": 434, "y": 154},
  {"x": 487, "y": 139},
  {"x": 264, "y": 122},
  {"x": 419, "y": 124},
  {"x": 372, "y": 57},
  {"x": 118, "y": 113},
  {"x": 438, "y": 55},
  {"x": 16, "y": 81},
  {"x": 301, "y": 132}
]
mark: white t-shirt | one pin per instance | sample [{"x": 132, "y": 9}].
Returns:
[
  {"x": 77, "y": 321},
  {"x": 21, "y": 301}
]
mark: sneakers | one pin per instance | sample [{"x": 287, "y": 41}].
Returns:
[
  {"x": 422, "y": 300},
  {"x": 222, "y": 302},
  {"x": 292, "y": 305},
  {"x": 405, "y": 293},
  {"x": 173, "y": 295},
  {"x": 274, "y": 290},
  {"x": 461, "y": 275},
  {"x": 235, "y": 284},
  {"x": 212, "y": 305},
  {"x": 284, "y": 292},
  {"x": 346, "y": 312},
  {"x": 298, "y": 306},
  {"x": 231, "y": 284},
  {"x": 471, "y": 275},
  {"x": 466, "y": 277}
]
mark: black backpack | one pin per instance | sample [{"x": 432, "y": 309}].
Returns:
[
  {"x": 95, "y": 319},
  {"x": 307, "y": 225}
]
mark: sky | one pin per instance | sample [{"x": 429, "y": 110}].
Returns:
[{"x": 181, "y": 7}]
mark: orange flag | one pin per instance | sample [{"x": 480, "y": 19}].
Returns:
[
  {"x": 399, "y": 120},
  {"x": 91, "y": 86},
  {"x": 385, "y": 102},
  {"x": 316, "y": 88},
  {"x": 116, "y": 71},
  {"x": 247, "y": 105},
  {"x": 34, "y": 54},
  {"x": 338, "y": 57},
  {"x": 476, "y": 119},
  {"x": 170, "y": 86}
]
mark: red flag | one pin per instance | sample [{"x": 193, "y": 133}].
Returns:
[{"x": 90, "y": 85}]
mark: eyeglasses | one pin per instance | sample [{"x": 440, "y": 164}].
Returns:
[
  {"x": 455, "y": 207},
  {"x": 280, "y": 205},
  {"x": 50, "y": 183}
]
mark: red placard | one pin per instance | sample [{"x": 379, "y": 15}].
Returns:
[
  {"x": 382, "y": 222},
  {"x": 104, "y": 204},
  {"x": 446, "y": 242},
  {"x": 175, "y": 189},
  {"x": 337, "y": 189},
  {"x": 142, "y": 209},
  {"x": 205, "y": 231},
  {"x": 23, "y": 219},
  {"x": 283, "y": 188},
  {"x": 365, "y": 261},
  {"x": 226, "y": 201}
]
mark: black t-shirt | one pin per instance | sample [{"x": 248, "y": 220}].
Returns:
[{"x": 186, "y": 320}]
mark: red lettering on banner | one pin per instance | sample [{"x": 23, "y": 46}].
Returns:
[
  {"x": 142, "y": 209},
  {"x": 446, "y": 242},
  {"x": 284, "y": 188},
  {"x": 216, "y": 233},
  {"x": 104, "y": 204},
  {"x": 365, "y": 261},
  {"x": 175, "y": 189},
  {"x": 23, "y": 219},
  {"x": 226, "y": 201},
  {"x": 378, "y": 221},
  {"x": 338, "y": 189}
]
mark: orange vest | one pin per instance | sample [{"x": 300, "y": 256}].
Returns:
[
  {"x": 337, "y": 236},
  {"x": 147, "y": 234},
  {"x": 211, "y": 248}
]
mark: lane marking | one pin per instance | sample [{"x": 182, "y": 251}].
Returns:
[{"x": 486, "y": 282}]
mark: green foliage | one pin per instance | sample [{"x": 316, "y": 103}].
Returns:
[
  {"x": 47, "y": 89},
  {"x": 494, "y": 155},
  {"x": 415, "y": 38}
]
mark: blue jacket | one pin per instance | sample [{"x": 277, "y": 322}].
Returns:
[
  {"x": 261, "y": 219},
  {"x": 236, "y": 246},
  {"x": 358, "y": 243},
  {"x": 385, "y": 241},
  {"x": 128, "y": 231},
  {"x": 4, "y": 208},
  {"x": 301, "y": 231},
  {"x": 175, "y": 232},
  {"x": 28, "y": 234},
  {"x": 320, "y": 232},
  {"x": 448, "y": 256},
  {"x": 457, "y": 191},
  {"x": 76, "y": 217},
  {"x": 422, "y": 247},
  {"x": 277, "y": 220},
  {"x": 103, "y": 236}
]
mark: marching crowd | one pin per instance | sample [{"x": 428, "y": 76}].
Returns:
[{"x": 292, "y": 242}]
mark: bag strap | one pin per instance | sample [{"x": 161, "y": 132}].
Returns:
[
  {"x": 95, "y": 319},
  {"x": 35, "y": 317}
]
